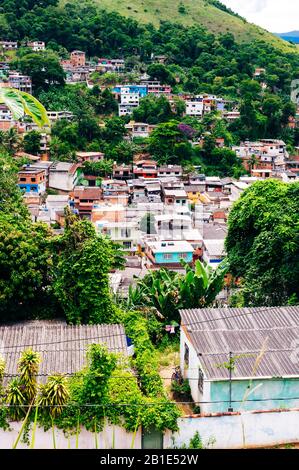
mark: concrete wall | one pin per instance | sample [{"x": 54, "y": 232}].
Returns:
[
  {"x": 230, "y": 431},
  {"x": 44, "y": 440},
  {"x": 236, "y": 431}
]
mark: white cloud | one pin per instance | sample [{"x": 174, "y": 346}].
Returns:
[{"x": 274, "y": 15}]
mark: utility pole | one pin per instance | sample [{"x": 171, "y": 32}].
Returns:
[{"x": 230, "y": 409}]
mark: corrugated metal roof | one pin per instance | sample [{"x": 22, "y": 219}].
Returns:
[
  {"x": 62, "y": 347},
  {"x": 215, "y": 333}
]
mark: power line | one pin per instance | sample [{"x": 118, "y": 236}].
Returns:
[
  {"x": 124, "y": 335},
  {"x": 252, "y": 400}
]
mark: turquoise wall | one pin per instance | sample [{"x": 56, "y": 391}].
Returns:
[
  {"x": 175, "y": 258},
  {"x": 268, "y": 390}
]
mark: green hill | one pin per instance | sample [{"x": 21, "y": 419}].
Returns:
[{"x": 217, "y": 19}]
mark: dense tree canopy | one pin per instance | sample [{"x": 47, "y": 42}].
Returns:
[
  {"x": 263, "y": 243},
  {"x": 44, "y": 69}
]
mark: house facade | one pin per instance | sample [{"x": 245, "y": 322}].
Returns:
[
  {"x": 241, "y": 359},
  {"x": 168, "y": 252},
  {"x": 32, "y": 180}
]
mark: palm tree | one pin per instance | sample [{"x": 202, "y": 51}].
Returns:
[
  {"x": 21, "y": 103},
  {"x": 12, "y": 140}
]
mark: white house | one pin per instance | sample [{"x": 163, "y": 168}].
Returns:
[
  {"x": 240, "y": 358},
  {"x": 194, "y": 108},
  {"x": 213, "y": 252},
  {"x": 63, "y": 176}
]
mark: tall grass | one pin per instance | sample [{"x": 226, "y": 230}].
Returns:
[
  {"x": 249, "y": 391},
  {"x": 34, "y": 428}
]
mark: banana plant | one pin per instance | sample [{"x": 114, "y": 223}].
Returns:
[
  {"x": 201, "y": 285},
  {"x": 21, "y": 104},
  {"x": 169, "y": 291}
]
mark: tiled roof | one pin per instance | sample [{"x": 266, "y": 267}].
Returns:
[
  {"x": 62, "y": 347},
  {"x": 244, "y": 332}
]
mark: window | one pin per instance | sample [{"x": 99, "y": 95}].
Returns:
[
  {"x": 125, "y": 233},
  {"x": 33, "y": 180},
  {"x": 22, "y": 179},
  {"x": 186, "y": 355},
  {"x": 182, "y": 255},
  {"x": 167, "y": 256},
  {"x": 200, "y": 380}
]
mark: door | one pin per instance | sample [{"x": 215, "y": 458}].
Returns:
[{"x": 152, "y": 439}]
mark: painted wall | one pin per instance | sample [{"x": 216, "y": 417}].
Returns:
[
  {"x": 111, "y": 437},
  {"x": 34, "y": 188},
  {"x": 142, "y": 90},
  {"x": 238, "y": 431},
  {"x": 175, "y": 258},
  {"x": 264, "y": 395}
]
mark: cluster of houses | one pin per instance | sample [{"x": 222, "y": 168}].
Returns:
[
  {"x": 233, "y": 359},
  {"x": 158, "y": 213}
]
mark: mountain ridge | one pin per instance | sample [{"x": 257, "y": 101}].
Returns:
[{"x": 211, "y": 14}]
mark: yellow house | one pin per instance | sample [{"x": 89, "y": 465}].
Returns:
[{"x": 193, "y": 193}]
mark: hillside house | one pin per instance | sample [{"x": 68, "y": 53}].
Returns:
[
  {"x": 122, "y": 172},
  {"x": 89, "y": 156},
  {"x": 8, "y": 45},
  {"x": 139, "y": 129},
  {"x": 78, "y": 59},
  {"x": 145, "y": 169},
  {"x": 194, "y": 191},
  {"x": 174, "y": 196},
  {"x": 64, "y": 176},
  {"x": 115, "y": 192},
  {"x": 56, "y": 203},
  {"x": 126, "y": 233},
  {"x": 168, "y": 253},
  {"x": 20, "y": 82},
  {"x": 85, "y": 199},
  {"x": 213, "y": 252},
  {"x": 55, "y": 116},
  {"x": 108, "y": 213},
  {"x": 6, "y": 118},
  {"x": 140, "y": 90},
  {"x": 128, "y": 102},
  {"x": 172, "y": 226},
  {"x": 194, "y": 107},
  {"x": 170, "y": 170},
  {"x": 156, "y": 88},
  {"x": 36, "y": 46},
  {"x": 32, "y": 180},
  {"x": 209, "y": 337}
]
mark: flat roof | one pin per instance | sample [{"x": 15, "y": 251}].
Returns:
[
  {"x": 170, "y": 246},
  {"x": 215, "y": 247}
]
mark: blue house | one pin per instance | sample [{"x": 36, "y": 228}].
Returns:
[
  {"x": 141, "y": 89},
  {"x": 32, "y": 180},
  {"x": 169, "y": 252}
]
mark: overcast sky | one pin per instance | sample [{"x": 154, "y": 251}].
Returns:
[{"x": 278, "y": 16}]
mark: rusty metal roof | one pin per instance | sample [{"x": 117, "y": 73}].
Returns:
[
  {"x": 245, "y": 332},
  {"x": 62, "y": 347}
]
